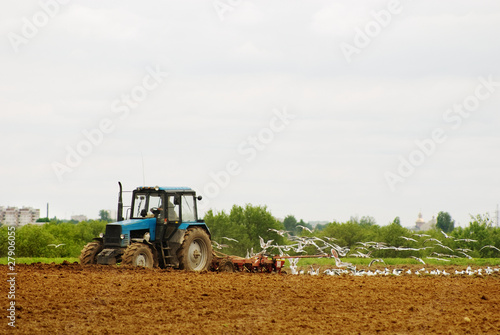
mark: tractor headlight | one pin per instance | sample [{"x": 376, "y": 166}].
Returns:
[
  {"x": 101, "y": 235},
  {"x": 122, "y": 236}
]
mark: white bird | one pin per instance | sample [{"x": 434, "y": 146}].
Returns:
[
  {"x": 444, "y": 246},
  {"x": 219, "y": 246},
  {"x": 422, "y": 235},
  {"x": 408, "y": 238},
  {"x": 304, "y": 228},
  {"x": 463, "y": 253},
  {"x": 418, "y": 259},
  {"x": 341, "y": 264},
  {"x": 433, "y": 239},
  {"x": 445, "y": 235},
  {"x": 230, "y": 239},
  {"x": 279, "y": 232},
  {"x": 313, "y": 272},
  {"x": 439, "y": 259},
  {"x": 489, "y": 246},
  {"x": 293, "y": 261},
  {"x": 55, "y": 245},
  {"x": 376, "y": 260},
  {"x": 265, "y": 245}
]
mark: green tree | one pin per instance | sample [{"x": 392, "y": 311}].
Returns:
[
  {"x": 290, "y": 223},
  {"x": 33, "y": 241},
  {"x": 367, "y": 221},
  {"x": 445, "y": 222},
  {"x": 104, "y": 215},
  {"x": 391, "y": 235},
  {"x": 397, "y": 221},
  {"x": 349, "y": 233}
]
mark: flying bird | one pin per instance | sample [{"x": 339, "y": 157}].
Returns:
[
  {"x": 279, "y": 232},
  {"x": 445, "y": 235},
  {"x": 408, "y": 238},
  {"x": 444, "y": 246},
  {"x": 219, "y": 246},
  {"x": 418, "y": 259},
  {"x": 55, "y": 245},
  {"x": 230, "y": 239},
  {"x": 304, "y": 228},
  {"x": 433, "y": 239},
  {"x": 489, "y": 246},
  {"x": 265, "y": 245},
  {"x": 376, "y": 260},
  {"x": 422, "y": 235}
]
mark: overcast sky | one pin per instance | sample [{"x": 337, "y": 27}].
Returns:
[{"x": 319, "y": 109}]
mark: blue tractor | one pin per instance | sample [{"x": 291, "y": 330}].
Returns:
[{"x": 162, "y": 229}]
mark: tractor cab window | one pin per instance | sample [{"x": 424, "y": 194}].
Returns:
[
  {"x": 154, "y": 203},
  {"x": 144, "y": 203},
  {"x": 188, "y": 212},
  {"x": 172, "y": 209},
  {"x": 140, "y": 203}
]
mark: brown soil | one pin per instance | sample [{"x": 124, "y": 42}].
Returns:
[{"x": 71, "y": 299}]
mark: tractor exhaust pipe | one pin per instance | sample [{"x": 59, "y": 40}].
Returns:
[{"x": 119, "y": 216}]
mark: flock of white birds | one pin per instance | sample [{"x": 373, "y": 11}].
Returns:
[{"x": 328, "y": 248}]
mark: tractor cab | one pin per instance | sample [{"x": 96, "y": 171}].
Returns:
[
  {"x": 166, "y": 204},
  {"x": 171, "y": 207}
]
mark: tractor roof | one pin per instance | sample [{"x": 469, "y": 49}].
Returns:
[{"x": 163, "y": 188}]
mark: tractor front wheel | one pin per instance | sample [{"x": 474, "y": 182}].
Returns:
[
  {"x": 195, "y": 252},
  {"x": 138, "y": 254},
  {"x": 89, "y": 253}
]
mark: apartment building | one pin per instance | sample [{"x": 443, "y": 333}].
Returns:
[{"x": 14, "y": 216}]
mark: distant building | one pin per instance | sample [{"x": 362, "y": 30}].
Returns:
[
  {"x": 14, "y": 216},
  {"x": 78, "y": 218},
  {"x": 421, "y": 225}
]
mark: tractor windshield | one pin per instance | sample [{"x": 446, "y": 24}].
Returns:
[{"x": 144, "y": 203}]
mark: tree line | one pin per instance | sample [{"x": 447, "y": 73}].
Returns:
[
  {"x": 241, "y": 231},
  {"x": 52, "y": 239}
]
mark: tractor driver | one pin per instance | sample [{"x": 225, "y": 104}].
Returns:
[{"x": 155, "y": 206}]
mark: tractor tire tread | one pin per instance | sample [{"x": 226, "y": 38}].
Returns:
[
  {"x": 89, "y": 253},
  {"x": 128, "y": 255}
]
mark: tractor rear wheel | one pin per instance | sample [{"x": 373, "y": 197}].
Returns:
[
  {"x": 138, "y": 254},
  {"x": 195, "y": 252},
  {"x": 89, "y": 253}
]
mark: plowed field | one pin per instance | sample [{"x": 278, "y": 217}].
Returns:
[{"x": 71, "y": 299}]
